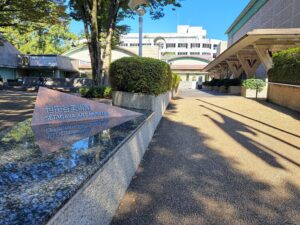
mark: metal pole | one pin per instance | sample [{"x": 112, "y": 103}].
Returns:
[{"x": 141, "y": 36}]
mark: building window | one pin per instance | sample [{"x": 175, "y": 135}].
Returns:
[
  {"x": 207, "y": 46},
  {"x": 170, "y": 45},
  {"x": 206, "y": 53},
  {"x": 124, "y": 44},
  {"x": 146, "y": 44},
  {"x": 195, "y": 53},
  {"x": 215, "y": 55},
  {"x": 195, "y": 45},
  {"x": 182, "y": 45},
  {"x": 182, "y": 53},
  {"x": 134, "y": 44},
  {"x": 215, "y": 47}
]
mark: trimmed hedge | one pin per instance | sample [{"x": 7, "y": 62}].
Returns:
[
  {"x": 286, "y": 67},
  {"x": 224, "y": 82},
  {"x": 96, "y": 92},
  {"x": 141, "y": 75}
]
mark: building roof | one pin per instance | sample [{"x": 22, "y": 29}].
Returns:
[
  {"x": 272, "y": 39},
  {"x": 8, "y": 54}
]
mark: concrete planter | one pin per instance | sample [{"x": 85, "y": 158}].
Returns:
[
  {"x": 216, "y": 88},
  {"x": 222, "y": 89},
  {"x": 285, "y": 95},
  {"x": 247, "y": 93},
  {"x": 97, "y": 201},
  {"x": 157, "y": 104},
  {"x": 175, "y": 92},
  {"x": 234, "y": 90}
]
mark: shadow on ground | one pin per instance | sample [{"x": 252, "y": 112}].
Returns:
[
  {"x": 15, "y": 106},
  {"x": 183, "y": 180}
]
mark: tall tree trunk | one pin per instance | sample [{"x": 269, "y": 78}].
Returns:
[
  {"x": 114, "y": 9},
  {"x": 94, "y": 47},
  {"x": 107, "y": 56}
]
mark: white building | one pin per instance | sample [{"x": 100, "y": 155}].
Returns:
[{"x": 186, "y": 41}]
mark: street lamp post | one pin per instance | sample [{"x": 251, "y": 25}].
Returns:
[
  {"x": 137, "y": 5},
  {"x": 141, "y": 12}
]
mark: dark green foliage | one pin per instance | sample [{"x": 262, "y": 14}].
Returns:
[
  {"x": 141, "y": 75},
  {"x": 96, "y": 92},
  {"x": 224, "y": 82},
  {"x": 214, "y": 82},
  {"x": 206, "y": 83},
  {"x": 286, "y": 67},
  {"x": 231, "y": 82}
]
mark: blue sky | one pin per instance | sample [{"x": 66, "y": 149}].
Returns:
[{"x": 213, "y": 15}]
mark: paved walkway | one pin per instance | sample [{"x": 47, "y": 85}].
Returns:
[{"x": 218, "y": 160}]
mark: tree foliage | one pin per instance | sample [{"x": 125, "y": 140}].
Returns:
[
  {"x": 47, "y": 39},
  {"x": 32, "y": 13}
]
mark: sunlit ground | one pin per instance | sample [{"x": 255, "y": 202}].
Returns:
[{"x": 219, "y": 160}]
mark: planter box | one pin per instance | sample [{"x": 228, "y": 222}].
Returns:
[
  {"x": 285, "y": 95},
  {"x": 157, "y": 104},
  {"x": 216, "y": 88},
  {"x": 247, "y": 93},
  {"x": 235, "y": 90},
  {"x": 222, "y": 89}
]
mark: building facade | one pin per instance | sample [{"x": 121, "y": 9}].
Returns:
[
  {"x": 263, "y": 28},
  {"x": 15, "y": 65},
  {"x": 265, "y": 14},
  {"x": 187, "y": 41}
]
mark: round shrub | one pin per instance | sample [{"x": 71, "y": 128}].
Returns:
[
  {"x": 141, "y": 75},
  {"x": 254, "y": 84}
]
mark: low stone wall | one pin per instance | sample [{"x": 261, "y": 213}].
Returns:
[
  {"x": 234, "y": 90},
  {"x": 157, "y": 104},
  {"x": 285, "y": 95},
  {"x": 252, "y": 93},
  {"x": 97, "y": 201}
]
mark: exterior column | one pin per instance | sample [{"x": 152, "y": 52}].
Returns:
[
  {"x": 235, "y": 67},
  {"x": 263, "y": 54},
  {"x": 249, "y": 63}
]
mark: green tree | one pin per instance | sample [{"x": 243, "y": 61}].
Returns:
[
  {"x": 23, "y": 14},
  {"x": 88, "y": 11},
  {"x": 254, "y": 84},
  {"x": 47, "y": 39},
  {"x": 114, "y": 11}
]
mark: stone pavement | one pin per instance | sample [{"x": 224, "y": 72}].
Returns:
[{"x": 218, "y": 160}]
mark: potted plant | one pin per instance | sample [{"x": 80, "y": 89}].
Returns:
[
  {"x": 252, "y": 88},
  {"x": 141, "y": 83}
]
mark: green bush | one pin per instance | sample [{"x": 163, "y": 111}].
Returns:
[
  {"x": 232, "y": 82},
  {"x": 95, "y": 92},
  {"x": 141, "y": 75},
  {"x": 206, "y": 83},
  {"x": 107, "y": 92},
  {"x": 214, "y": 82},
  {"x": 286, "y": 67},
  {"x": 254, "y": 84},
  {"x": 175, "y": 81}
]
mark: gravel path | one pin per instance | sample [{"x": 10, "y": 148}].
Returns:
[{"x": 218, "y": 160}]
